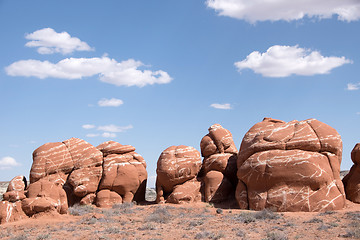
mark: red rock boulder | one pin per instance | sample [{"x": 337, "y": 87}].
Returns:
[
  {"x": 16, "y": 189},
  {"x": 292, "y": 166},
  {"x": 73, "y": 164},
  {"x": 219, "y": 164},
  {"x": 124, "y": 173},
  {"x": 11, "y": 211},
  {"x": 175, "y": 167},
  {"x": 352, "y": 179},
  {"x": 45, "y": 196}
]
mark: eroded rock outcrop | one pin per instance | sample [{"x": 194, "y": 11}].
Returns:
[
  {"x": 74, "y": 171},
  {"x": 219, "y": 164},
  {"x": 11, "y": 206},
  {"x": 290, "y": 166},
  {"x": 124, "y": 173},
  {"x": 177, "y": 168},
  {"x": 45, "y": 196},
  {"x": 74, "y": 164},
  {"x": 352, "y": 179}
]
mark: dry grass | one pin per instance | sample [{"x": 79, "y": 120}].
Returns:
[{"x": 198, "y": 221}]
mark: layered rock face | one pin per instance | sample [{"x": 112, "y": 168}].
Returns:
[
  {"x": 352, "y": 179},
  {"x": 74, "y": 171},
  {"x": 177, "y": 168},
  {"x": 219, "y": 164},
  {"x": 124, "y": 178},
  {"x": 292, "y": 166}
]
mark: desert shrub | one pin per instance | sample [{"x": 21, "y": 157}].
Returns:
[
  {"x": 266, "y": 214},
  {"x": 314, "y": 220},
  {"x": 19, "y": 237},
  {"x": 159, "y": 215},
  {"x": 245, "y": 217},
  {"x": 124, "y": 208},
  {"x": 196, "y": 222},
  {"x": 352, "y": 233},
  {"x": 80, "y": 210},
  {"x": 240, "y": 233},
  {"x": 43, "y": 236},
  {"x": 289, "y": 224},
  {"x": 276, "y": 236},
  {"x": 353, "y": 215},
  {"x": 326, "y": 213},
  {"x": 112, "y": 230},
  {"x": 147, "y": 226},
  {"x": 209, "y": 235}
]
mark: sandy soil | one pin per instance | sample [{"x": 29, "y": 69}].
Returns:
[{"x": 185, "y": 221}]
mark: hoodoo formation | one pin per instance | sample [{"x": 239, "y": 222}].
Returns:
[
  {"x": 219, "y": 164},
  {"x": 282, "y": 166}
]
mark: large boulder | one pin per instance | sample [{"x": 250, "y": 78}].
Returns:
[
  {"x": 74, "y": 164},
  {"x": 45, "y": 196},
  {"x": 10, "y": 207},
  {"x": 290, "y": 166},
  {"x": 11, "y": 211},
  {"x": 219, "y": 164},
  {"x": 177, "y": 165},
  {"x": 124, "y": 173},
  {"x": 16, "y": 189},
  {"x": 352, "y": 179}
]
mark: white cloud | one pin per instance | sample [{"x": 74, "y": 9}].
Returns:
[
  {"x": 283, "y": 61},
  {"x": 114, "y": 128},
  {"x": 108, "y": 135},
  {"x": 125, "y": 73},
  {"x": 275, "y": 10},
  {"x": 8, "y": 162},
  {"x": 221, "y": 106},
  {"x": 92, "y": 135},
  {"x": 48, "y": 41},
  {"x": 88, "y": 126},
  {"x": 113, "y": 102},
  {"x": 353, "y": 86}
]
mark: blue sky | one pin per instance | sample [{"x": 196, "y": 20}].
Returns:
[{"x": 158, "y": 73}]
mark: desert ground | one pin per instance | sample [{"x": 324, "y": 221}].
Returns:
[{"x": 185, "y": 221}]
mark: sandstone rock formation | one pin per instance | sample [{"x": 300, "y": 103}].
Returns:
[
  {"x": 177, "y": 168},
  {"x": 74, "y": 164},
  {"x": 292, "y": 166},
  {"x": 352, "y": 179},
  {"x": 219, "y": 164},
  {"x": 11, "y": 206},
  {"x": 16, "y": 189},
  {"x": 74, "y": 171},
  {"x": 124, "y": 173},
  {"x": 45, "y": 196}
]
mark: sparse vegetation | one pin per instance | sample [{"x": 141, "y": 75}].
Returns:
[
  {"x": 160, "y": 215},
  {"x": 266, "y": 214},
  {"x": 276, "y": 236},
  {"x": 80, "y": 210},
  {"x": 43, "y": 236},
  {"x": 147, "y": 226},
  {"x": 314, "y": 220},
  {"x": 209, "y": 235}
]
